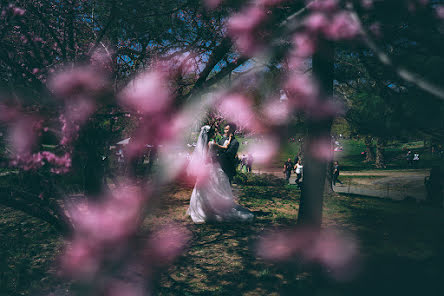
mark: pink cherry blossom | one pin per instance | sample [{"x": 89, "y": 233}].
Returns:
[
  {"x": 23, "y": 135},
  {"x": 166, "y": 244},
  {"x": 440, "y": 11},
  {"x": 238, "y": 109},
  {"x": 243, "y": 27},
  {"x": 304, "y": 44},
  {"x": 18, "y": 11},
  {"x": 78, "y": 81},
  {"x": 212, "y": 4},
  {"x": 110, "y": 220},
  {"x": 324, "y": 5},
  {"x": 198, "y": 169},
  {"x": 316, "y": 22},
  {"x": 335, "y": 251},
  {"x": 80, "y": 259},
  {"x": 342, "y": 26},
  {"x": 268, "y": 3},
  {"x": 276, "y": 112},
  {"x": 368, "y": 4},
  {"x": 147, "y": 93},
  {"x": 302, "y": 91},
  {"x": 121, "y": 288},
  {"x": 263, "y": 150}
]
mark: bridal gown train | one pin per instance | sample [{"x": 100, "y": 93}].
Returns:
[{"x": 212, "y": 199}]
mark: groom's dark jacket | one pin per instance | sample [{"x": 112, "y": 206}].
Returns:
[{"x": 227, "y": 157}]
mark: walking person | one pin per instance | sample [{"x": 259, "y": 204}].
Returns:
[
  {"x": 409, "y": 158},
  {"x": 298, "y": 170},
  {"x": 335, "y": 173},
  {"x": 288, "y": 167},
  {"x": 415, "y": 160}
]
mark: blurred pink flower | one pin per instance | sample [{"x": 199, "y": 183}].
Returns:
[
  {"x": 78, "y": 81},
  {"x": 263, "y": 150},
  {"x": 316, "y": 22},
  {"x": 302, "y": 91},
  {"x": 243, "y": 28},
  {"x": 198, "y": 169},
  {"x": 368, "y": 4},
  {"x": 147, "y": 93},
  {"x": 440, "y": 11},
  {"x": 185, "y": 63},
  {"x": 120, "y": 288},
  {"x": 80, "y": 259},
  {"x": 321, "y": 149},
  {"x": 18, "y": 11},
  {"x": 23, "y": 135},
  {"x": 111, "y": 220},
  {"x": 212, "y": 4},
  {"x": 239, "y": 109},
  {"x": 335, "y": 251},
  {"x": 8, "y": 114},
  {"x": 342, "y": 26},
  {"x": 167, "y": 243},
  {"x": 305, "y": 44},
  {"x": 79, "y": 110},
  {"x": 268, "y": 3},
  {"x": 324, "y": 5},
  {"x": 276, "y": 112},
  {"x": 247, "y": 20}
]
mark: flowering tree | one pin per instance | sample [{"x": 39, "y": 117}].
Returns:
[{"x": 70, "y": 68}]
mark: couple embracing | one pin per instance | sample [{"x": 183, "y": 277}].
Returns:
[{"x": 212, "y": 198}]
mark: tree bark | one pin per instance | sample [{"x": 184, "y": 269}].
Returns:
[
  {"x": 380, "y": 149},
  {"x": 369, "y": 154},
  {"x": 315, "y": 168}
]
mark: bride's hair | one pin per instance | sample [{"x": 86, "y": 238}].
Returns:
[{"x": 211, "y": 132}]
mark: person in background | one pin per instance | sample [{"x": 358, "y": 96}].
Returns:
[
  {"x": 409, "y": 158},
  {"x": 298, "y": 170},
  {"x": 415, "y": 160},
  {"x": 288, "y": 167},
  {"x": 335, "y": 173}
]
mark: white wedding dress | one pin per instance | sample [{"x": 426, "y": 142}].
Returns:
[{"x": 212, "y": 198}]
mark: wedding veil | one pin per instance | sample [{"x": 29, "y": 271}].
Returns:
[{"x": 198, "y": 157}]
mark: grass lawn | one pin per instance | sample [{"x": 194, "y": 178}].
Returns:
[{"x": 400, "y": 243}]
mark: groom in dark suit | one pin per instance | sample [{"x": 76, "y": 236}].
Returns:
[{"x": 227, "y": 156}]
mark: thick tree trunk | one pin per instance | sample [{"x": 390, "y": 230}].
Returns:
[
  {"x": 310, "y": 209},
  {"x": 369, "y": 153},
  {"x": 380, "y": 149},
  {"x": 328, "y": 187}
]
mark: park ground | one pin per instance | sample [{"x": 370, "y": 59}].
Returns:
[{"x": 400, "y": 245}]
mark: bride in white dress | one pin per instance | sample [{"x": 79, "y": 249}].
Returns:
[{"x": 212, "y": 198}]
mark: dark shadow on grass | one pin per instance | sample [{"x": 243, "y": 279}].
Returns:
[{"x": 402, "y": 244}]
